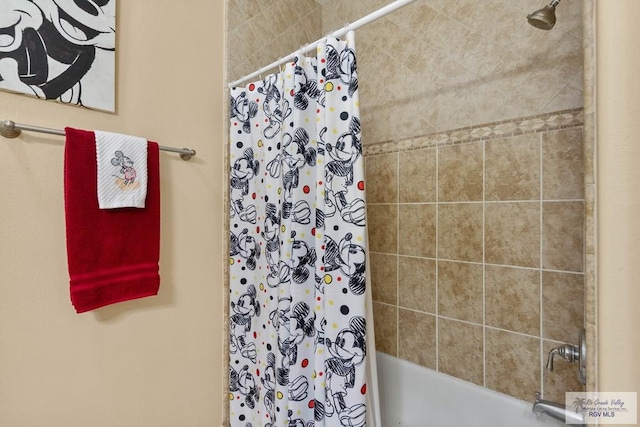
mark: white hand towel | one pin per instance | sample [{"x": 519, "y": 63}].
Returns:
[{"x": 122, "y": 170}]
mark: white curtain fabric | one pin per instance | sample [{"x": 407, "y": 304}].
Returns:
[{"x": 297, "y": 246}]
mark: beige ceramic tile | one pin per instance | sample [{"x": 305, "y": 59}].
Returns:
[
  {"x": 591, "y": 331},
  {"x": 460, "y": 231},
  {"x": 563, "y": 378},
  {"x": 396, "y": 40},
  {"x": 512, "y": 168},
  {"x": 460, "y": 350},
  {"x": 510, "y": 34},
  {"x": 436, "y": 111},
  {"x": 563, "y": 236},
  {"x": 384, "y": 278},
  {"x": 378, "y": 129},
  {"x": 263, "y": 24},
  {"x": 482, "y": 17},
  {"x": 410, "y": 116},
  {"x": 244, "y": 40},
  {"x": 483, "y": 102},
  {"x": 512, "y": 234},
  {"x": 418, "y": 176},
  {"x": 241, "y": 12},
  {"x": 451, "y": 37},
  {"x": 512, "y": 364},
  {"x": 539, "y": 86},
  {"x": 414, "y": 17},
  {"x": 425, "y": 58},
  {"x": 385, "y": 319},
  {"x": 382, "y": 178},
  {"x": 303, "y": 8},
  {"x": 590, "y": 243},
  {"x": 366, "y": 37},
  {"x": 588, "y": 132},
  {"x": 460, "y": 291},
  {"x": 338, "y": 13},
  {"x": 562, "y": 306},
  {"x": 417, "y": 230},
  {"x": 417, "y": 338},
  {"x": 417, "y": 284},
  {"x": 562, "y": 164},
  {"x": 512, "y": 299},
  {"x": 482, "y": 59},
  {"x": 567, "y": 98},
  {"x": 569, "y": 55},
  {"x": 458, "y": 9},
  {"x": 590, "y": 291},
  {"x": 277, "y": 18},
  {"x": 460, "y": 172},
  {"x": 265, "y": 4},
  {"x": 383, "y": 228}
]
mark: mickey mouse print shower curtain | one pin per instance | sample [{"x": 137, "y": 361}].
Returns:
[{"x": 298, "y": 246}]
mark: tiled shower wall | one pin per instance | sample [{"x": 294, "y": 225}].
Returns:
[
  {"x": 476, "y": 241},
  {"x": 457, "y": 293},
  {"x": 437, "y": 65},
  {"x": 261, "y": 31}
]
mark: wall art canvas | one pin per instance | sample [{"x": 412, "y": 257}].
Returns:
[{"x": 59, "y": 49}]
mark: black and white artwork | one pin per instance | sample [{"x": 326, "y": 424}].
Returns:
[{"x": 59, "y": 49}]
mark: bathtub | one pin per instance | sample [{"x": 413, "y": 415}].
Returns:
[{"x": 413, "y": 396}]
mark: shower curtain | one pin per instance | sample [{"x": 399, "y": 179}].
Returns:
[{"x": 298, "y": 246}]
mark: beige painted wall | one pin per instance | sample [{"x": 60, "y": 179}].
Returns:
[
  {"x": 618, "y": 130},
  {"x": 152, "y": 362}
]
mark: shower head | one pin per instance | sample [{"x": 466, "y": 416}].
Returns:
[{"x": 544, "y": 18}]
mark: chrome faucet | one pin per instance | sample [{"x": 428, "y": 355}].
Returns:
[
  {"x": 557, "y": 411},
  {"x": 568, "y": 352},
  {"x": 572, "y": 353}
]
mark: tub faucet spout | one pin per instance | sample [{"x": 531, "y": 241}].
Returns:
[{"x": 557, "y": 411}]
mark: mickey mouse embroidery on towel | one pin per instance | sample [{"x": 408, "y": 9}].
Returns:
[{"x": 126, "y": 169}]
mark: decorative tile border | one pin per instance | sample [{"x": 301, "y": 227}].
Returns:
[{"x": 526, "y": 125}]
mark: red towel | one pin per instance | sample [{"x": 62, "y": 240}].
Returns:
[{"x": 112, "y": 254}]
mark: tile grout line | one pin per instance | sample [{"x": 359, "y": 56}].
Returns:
[
  {"x": 488, "y": 327},
  {"x": 541, "y": 253},
  {"x": 484, "y": 267},
  {"x": 459, "y": 261},
  {"x": 398, "y": 255},
  {"x": 477, "y": 202},
  {"x": 437, "y": 262}
]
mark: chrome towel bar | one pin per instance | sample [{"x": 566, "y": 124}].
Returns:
[{"x": 10, "y": 129}]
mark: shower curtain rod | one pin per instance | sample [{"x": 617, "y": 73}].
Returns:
[
  {"x": 10, "y": 129},
  {"x": 391, "y": 7}
]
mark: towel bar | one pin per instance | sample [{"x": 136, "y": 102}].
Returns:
[{"x": 10, "y": 129}]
